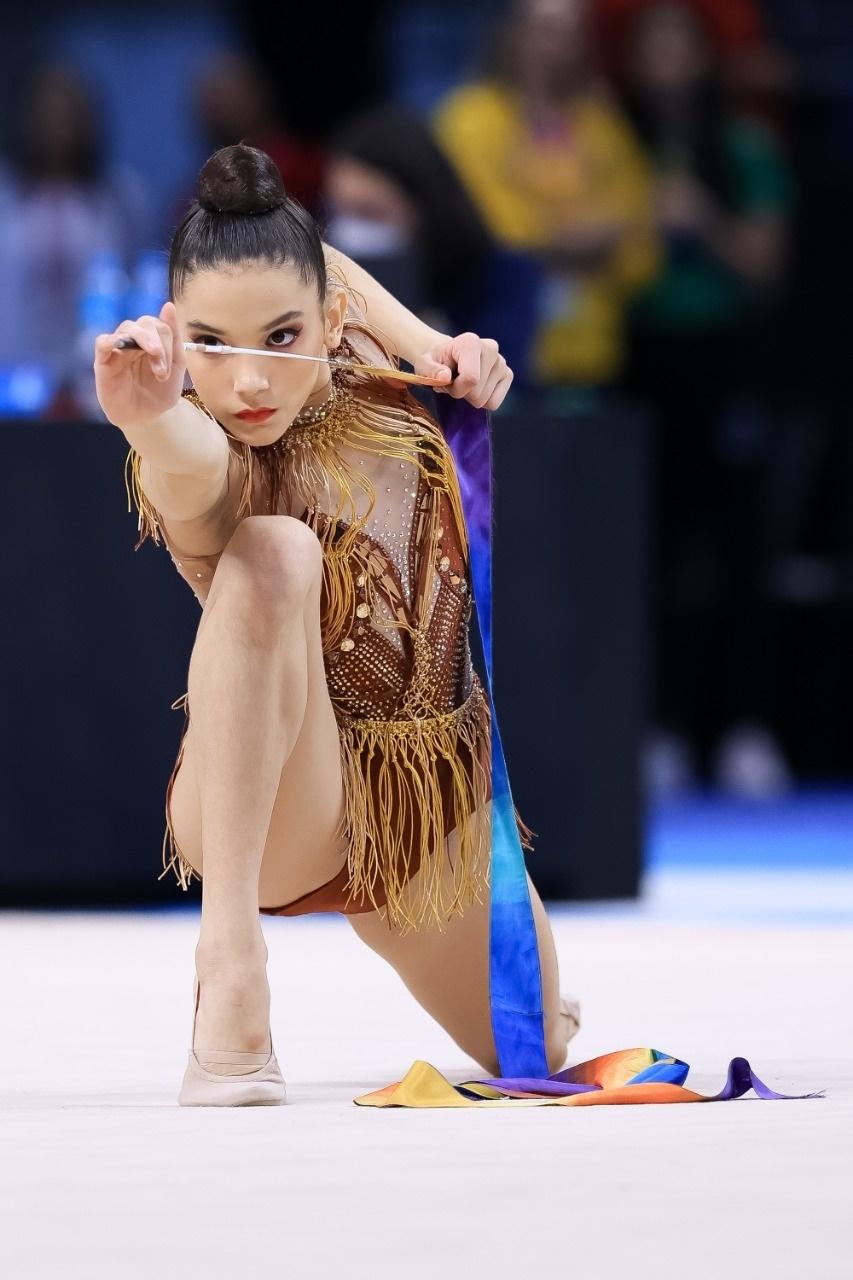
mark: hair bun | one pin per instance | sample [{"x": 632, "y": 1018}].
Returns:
[{"x": 240, "y": 179}]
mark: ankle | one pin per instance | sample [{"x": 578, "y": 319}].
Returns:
[{"x": 219, "y": 957}]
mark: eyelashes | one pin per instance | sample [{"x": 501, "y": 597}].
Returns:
[
  {"x": 292, "y": 333},
  {"x": 211, "y": 340}
]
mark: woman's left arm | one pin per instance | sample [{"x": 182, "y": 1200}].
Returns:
[{"x": 474, "y": 367}]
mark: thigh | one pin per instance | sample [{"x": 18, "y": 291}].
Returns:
[
  {"x": 448, "y": 972},
  {"x": 302, "y": 850}
]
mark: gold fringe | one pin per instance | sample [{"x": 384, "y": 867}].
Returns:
[
  {"x": 389, "y": 766},
  {"x": 371, "y": 417},
  {"x": 392, "y": 787},
  {"x": 184, "y": 871},
  {"x": 148, "y": 523},
  {"x": 400, "y": 756}
]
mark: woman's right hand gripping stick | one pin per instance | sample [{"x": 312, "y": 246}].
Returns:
[{"x": 134, "y": 387}]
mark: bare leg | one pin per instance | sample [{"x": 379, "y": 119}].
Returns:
[
  {"x": 249, "y": 693},
  {"x": 448, "y": 974}
]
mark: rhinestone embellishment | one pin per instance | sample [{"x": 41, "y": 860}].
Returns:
[{"x": 317, "y": 412}]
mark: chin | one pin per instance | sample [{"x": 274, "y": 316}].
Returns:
[{"x": 262, "y": 435}]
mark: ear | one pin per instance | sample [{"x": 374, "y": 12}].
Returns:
[{"x": 335, "y": 310}]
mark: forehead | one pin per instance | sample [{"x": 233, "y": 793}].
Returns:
[{"x": 245, "y": 294}]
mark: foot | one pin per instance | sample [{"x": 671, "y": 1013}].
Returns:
[{"x": 234, "y": 1003}]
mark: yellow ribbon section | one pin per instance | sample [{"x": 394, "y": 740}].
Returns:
[{"x": 425, "y": 1088}]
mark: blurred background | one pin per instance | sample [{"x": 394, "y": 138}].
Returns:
[{"x": 647, "y": 205}]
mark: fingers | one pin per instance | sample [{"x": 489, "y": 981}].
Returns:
[
  {"x": 497, "y": 381},
  {"x": 169, "y": 317},
  {"x": 154, "y": 337},
  {"x": 484, "y": 376},
  {"x": 466, "y": 351},
  {"x": 501, "y": 387}
]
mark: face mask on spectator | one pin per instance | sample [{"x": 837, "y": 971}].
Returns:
[{"x": 358, "y": 236}]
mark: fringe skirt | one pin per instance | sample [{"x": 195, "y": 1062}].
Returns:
[{"x": 408, "y": 784}]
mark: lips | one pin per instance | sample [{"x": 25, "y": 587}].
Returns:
[{"x": 255, "y": 415}]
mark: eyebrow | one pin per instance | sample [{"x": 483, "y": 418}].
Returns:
[{"x": 209, "y": 328}]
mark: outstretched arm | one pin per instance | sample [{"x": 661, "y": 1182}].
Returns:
[{"x": 478, "y": 371}]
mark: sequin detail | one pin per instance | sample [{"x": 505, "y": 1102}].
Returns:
[{"x": 394, "y": 629}]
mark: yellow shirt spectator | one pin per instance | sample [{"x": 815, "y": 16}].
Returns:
[{"x": 578, "y": 195}]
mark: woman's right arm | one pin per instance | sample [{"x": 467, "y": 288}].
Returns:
[{"x": 184, "y": 452}]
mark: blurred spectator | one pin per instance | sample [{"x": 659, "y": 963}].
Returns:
[
  {"x": 395, "y": 204},
  {"x": 734, "y": 25},
  {"x": 754, "y": 68},
  {"x": 700, "y": 337},
  {"x": 234, "y": 103},
  {"x": 557, "y": 172},
  {"x": 61, "y": 201},
  {"x": 393, "y": 197}
]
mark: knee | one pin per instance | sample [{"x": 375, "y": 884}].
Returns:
[{"x": 275, "y": 560}]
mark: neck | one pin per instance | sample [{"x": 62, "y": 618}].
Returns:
[{"x": 321, "y": 393}]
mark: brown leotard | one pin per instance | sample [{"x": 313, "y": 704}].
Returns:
[{"x": 413, "y": 718}]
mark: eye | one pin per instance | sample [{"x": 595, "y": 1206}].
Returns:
[
  {"x": 206, "y": 339},
  {"x": 289, "y": 334}
]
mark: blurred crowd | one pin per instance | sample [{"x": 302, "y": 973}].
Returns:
[{"x": 615, "y": 192}]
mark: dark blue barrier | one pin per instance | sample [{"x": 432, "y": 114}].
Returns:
[{"x": 95, "y": 641}]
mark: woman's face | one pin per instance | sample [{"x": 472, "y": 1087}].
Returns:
[
  {"x": 57, "y": 118},
  {"x": 357, "y": 190},
  {"x": 269, "y": 309},
  {"x": 669, "y": 53}
]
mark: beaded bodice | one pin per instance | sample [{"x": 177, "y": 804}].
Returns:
[{"x": 371, "y": 473}]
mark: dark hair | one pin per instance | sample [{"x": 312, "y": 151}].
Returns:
[
  {"x": 84, "y": 161},
  {"x": 701, "y": 126},
  {"x": 242, "y": 213},
  {"x": 451, "y": 233}
]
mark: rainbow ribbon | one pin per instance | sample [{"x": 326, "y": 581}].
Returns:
[
  {"x": 628, "y": 1076},
  {"x": 515, "y": 979}
]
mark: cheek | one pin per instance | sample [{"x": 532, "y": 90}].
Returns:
[{"x": 202, "y": 370}]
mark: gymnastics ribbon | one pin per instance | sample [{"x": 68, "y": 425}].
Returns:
[
  {"x": 628, "y": 1076},
  {"x": 515, "y": 980}
]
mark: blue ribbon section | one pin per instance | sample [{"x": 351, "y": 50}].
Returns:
[{"x": 515, "y": 979}]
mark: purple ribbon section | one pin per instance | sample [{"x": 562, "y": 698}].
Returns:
[
  {"x": 739, "y": 1080},
  {"x": 515, "y": 981}
]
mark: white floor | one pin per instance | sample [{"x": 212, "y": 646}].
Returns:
[{"x": 104, "y": 1176}]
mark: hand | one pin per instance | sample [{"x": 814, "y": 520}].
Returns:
[
  {"x": 137, "y": 387},
  {"x": 587, "y": 244},
  {"x": 482, "y": 375}
]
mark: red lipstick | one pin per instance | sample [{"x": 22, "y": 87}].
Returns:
[{"x": 255, "y": 415}]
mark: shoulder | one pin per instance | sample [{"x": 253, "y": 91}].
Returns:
[{"x": 477, "y": 105}]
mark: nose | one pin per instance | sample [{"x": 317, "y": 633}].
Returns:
[{"x": 249, "y": 375}]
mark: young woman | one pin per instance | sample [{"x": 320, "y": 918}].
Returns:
[{"x": 336, "y": 754}]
